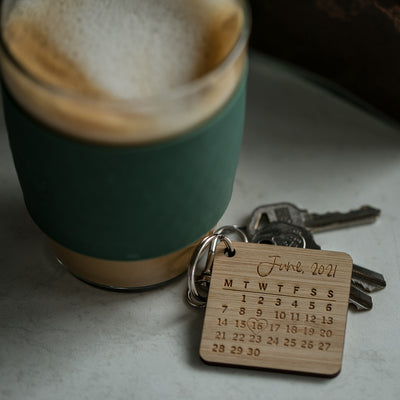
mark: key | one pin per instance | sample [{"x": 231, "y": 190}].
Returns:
[
  {"x": 360, "y": 300},
  {"x": 284, "y": 234},
  {"x": 289, "y": 213},
  {"x": 367, "y": 280}
]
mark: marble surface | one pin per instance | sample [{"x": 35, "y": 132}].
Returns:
[{"x": 61, "y": 338}]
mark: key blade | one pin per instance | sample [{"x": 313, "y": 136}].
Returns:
[
  {"x": 360, "y": 300},
  {"x": 366, "y": 279},
  {"x": 336, "y": 220}
]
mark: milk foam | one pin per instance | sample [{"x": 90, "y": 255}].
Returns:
[
  {"x": 83, "y": 60},
  {"x": 129, "y": 48}
]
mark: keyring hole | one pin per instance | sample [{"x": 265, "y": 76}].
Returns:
[{"x": 229, "y": 252}]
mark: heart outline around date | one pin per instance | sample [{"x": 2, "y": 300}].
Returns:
[{"x": 256, "y": 325}]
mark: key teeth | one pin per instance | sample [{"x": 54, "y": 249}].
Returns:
[
  {"x": 315, "y": 222},
  {"x": 362, "y": 285},
  {"x": 371, "y": 208},
  {"x": 337, "y": 220},
  {"x": 359, "y": 307},
  {"x": 360, "y": 300},
  {"x": 366, "y": 279}
]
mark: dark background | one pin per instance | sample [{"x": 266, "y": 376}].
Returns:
[{"x": 354, "y": 43}]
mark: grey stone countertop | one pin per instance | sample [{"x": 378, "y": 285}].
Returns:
[{"x": 63, "y": 339}]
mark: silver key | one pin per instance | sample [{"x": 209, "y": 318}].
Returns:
[
  {"x": 289, "y": 213},
  {"x": 367, "y": 280},
  {"x": 360, "y": 300}
]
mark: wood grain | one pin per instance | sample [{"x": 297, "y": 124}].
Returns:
[{"x": 277, "y": 307}]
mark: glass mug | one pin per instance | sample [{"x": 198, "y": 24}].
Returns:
[{"x": 124, "y": 189}]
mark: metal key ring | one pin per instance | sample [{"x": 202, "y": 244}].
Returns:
[
  {"x": 226, "y": 229},
  {"x": 223, "y": 230},
  {"x": 193, "y": 296}
]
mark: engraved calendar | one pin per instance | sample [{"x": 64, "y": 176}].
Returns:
[{"x": 277, "y": 307}]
